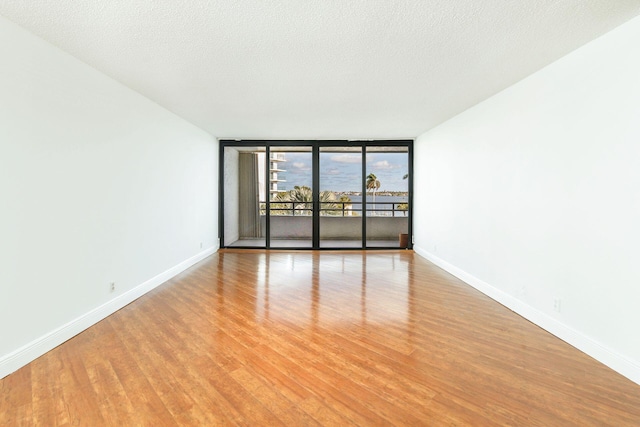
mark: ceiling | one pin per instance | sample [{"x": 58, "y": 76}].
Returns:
[{"x": 318, "y": 69}]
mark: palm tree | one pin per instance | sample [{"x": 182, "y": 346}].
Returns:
[
  {"x": 328, "y": 201},
  {"x": 373, "y": 184},
  {"x": 302, "y": 199},
  {"x": 302, "y": 196},
  {"x": 345, "y": 204}
]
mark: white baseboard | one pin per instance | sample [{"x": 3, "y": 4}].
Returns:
[
  {"x": 31, "y": 351},
  {"x": 578, "y": 340}
]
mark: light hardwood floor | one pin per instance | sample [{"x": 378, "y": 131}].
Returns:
[{"x": 316, "y": 338}]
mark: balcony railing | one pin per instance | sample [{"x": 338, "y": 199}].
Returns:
[{"x": 378, "y": 209}]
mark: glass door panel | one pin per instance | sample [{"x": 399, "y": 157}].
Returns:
[
  {"x": 340, "y": 211},
  {"x": 290, "y": 197},
  {"x": 387, "y": 196},
  {"x": 243, "y": 187}
]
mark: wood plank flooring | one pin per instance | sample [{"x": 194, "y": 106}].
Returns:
[{"x": 258, "y": 338}]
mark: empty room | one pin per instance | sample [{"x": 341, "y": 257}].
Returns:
[{"x": 319, "y": 213}]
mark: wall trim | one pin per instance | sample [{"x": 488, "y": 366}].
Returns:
[
  {"x": 598, "y": 351},
  {"x": 36, "y": 348}
]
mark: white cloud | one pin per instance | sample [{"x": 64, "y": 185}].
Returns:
[
  {"x": 332, "y": 171},
  {"x": 382, "y": 164},
  {"x": 347, "y": 158}
]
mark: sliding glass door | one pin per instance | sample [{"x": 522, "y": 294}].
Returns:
[
  {"x": 340, "y": 174},
  {"x": 387, "y": 196},
  {"x": 291, "y": 204},
  {"x": 315, "y": 194},
  {"x": 244, "y": 191}
]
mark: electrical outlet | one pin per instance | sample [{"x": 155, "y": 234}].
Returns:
[
  {"x": 112, "y": 287},
  {"x": 557, "y": 305},
  {"x": 200, "y": 245}
]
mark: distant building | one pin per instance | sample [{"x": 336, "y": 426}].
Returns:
[
  {"x": 275, "y": 168},
  {"x": 275, "y": 173}
]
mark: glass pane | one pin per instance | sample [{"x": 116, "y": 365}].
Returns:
[
  {"x": 340, "y": 197},
  {"x": 243, "y": 189},
  {"x": 291, "y": 197},
  {"x": 387, "y": 198}
]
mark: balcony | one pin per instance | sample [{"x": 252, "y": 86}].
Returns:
[{"x": 291, "y": 224}]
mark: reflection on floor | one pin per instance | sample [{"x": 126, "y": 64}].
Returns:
[{"x": 306, "y": 243}]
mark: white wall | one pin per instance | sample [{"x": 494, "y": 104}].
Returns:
[
  {"x": 97, "y": 185},
  {"x": 534, "y": 196}
]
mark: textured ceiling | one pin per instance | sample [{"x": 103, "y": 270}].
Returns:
[{"x": 318, "y": 68}]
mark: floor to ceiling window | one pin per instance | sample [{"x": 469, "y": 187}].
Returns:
[{"x": 316, "y": 194}]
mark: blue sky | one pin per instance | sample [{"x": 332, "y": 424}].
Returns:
[{"x": 342, "y": 171}]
